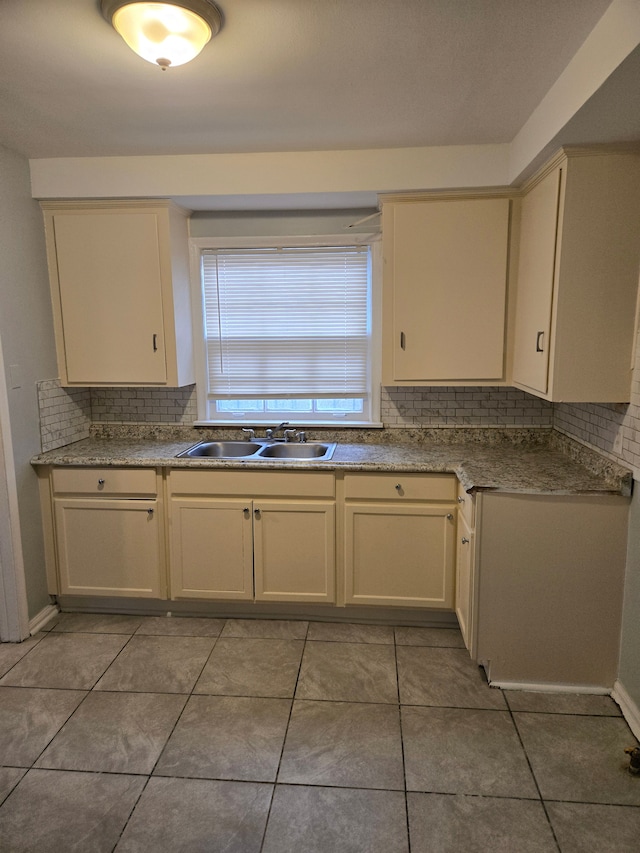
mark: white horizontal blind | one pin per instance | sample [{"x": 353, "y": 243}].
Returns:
[{"x": 287, "y": 322}]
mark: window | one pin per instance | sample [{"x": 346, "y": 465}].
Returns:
[{"x": 287, "y": 334}]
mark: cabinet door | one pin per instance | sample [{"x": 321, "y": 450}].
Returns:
[
  {"x": 400, "y": 555},
  {"x": 449, "y": 277},
  {"x": 464, "y": 578},
  {"x": 211, "y": 549},
  {"x": 536, "y": 266},
  {"x": 294, "y": 550},
  {"x": 108, "y": 276},
  {"x": 108, "y": 547}
]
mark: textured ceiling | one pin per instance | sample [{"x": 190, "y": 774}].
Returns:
[{"x": 286, "y": 75}]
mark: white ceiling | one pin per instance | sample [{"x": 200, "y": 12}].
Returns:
[{"x": 298, "y": 75}]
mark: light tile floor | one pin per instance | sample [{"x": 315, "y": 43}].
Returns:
[{"x": 123, "y": 733}]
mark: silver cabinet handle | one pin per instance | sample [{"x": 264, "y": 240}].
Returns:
[
  {"x": 100, "y": 481},
  {"x": 539, "y": 340},
  {"x": 449, "y": 516},
  {"x": 155, "y": 343},
  {"x": 460, "y": 500},
  {"x": 403, "y": 340},
  {"x": 256, "y": 512},
  {"x": 150, "y": 512},
  {"x": 464, "y": 540},
  {"x": 398, "y": 487},
  {"x": 246, "y": 510}
]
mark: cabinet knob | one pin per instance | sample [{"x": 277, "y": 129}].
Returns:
[
  {"x": 256, "y": 512},
  {"x": 460, "y": 500},
  {"x": 464, "y": 540},
  {"x": 246, "y": 510},
  {"x": 398, "y": 487},
  {"x": 100, "y": 482},
  {"x": 449, "y": 516},
  {"x": 150, "y": 512}
]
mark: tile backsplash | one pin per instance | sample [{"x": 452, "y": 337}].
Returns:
[
  {"x": 144, "y": 405},
  {"x": 598, "y": 425},
  {"x": 67, "y": 414},
  {"x": 463, "y": 406}
]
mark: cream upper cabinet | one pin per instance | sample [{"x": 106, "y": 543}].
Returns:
[
  {"x": 445, "y": 290},
  {"x": 578, "y": 266},
  {"x": 119, "y": 277}
]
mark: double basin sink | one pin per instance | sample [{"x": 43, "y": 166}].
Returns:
[{"x": 317, "y": 451}]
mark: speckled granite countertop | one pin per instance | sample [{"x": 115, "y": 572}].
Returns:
[{"x": 549, "y": 466}]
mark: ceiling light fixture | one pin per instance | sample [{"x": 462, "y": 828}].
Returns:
[{"x": 162, "y": 32}]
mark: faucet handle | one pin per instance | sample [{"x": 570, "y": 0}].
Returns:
[
  {"x": 290, "y": 434},
  {"x": 251, "y": 433}
]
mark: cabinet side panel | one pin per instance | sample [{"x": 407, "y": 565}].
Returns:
[
  {"x": 178, "y": 295},
  {"x": 549, "y": 607}
]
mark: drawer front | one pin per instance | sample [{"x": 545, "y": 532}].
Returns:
[
  {"x": 252, "y": 483},
  {"x": 104, "y": 481},
  {"x": 467, "y": 506},
  {"x": 401, "y": 486}
]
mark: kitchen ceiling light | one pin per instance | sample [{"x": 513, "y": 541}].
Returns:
[{"x": 161, "y": 32}]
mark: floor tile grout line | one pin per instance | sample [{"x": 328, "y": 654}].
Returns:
[
  {"x": 533, "y": 776},
  {"x": 178, "y": 718},
  {"x": 284, "y": 741},
  {"x": 404, "y": 765}
]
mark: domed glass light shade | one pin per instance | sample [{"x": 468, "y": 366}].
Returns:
[{"x": 164, "y": 33}]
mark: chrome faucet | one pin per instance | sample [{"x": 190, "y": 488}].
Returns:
[
  {"x": 251, "y": 433},
  {"x": 271, "y": 433}
]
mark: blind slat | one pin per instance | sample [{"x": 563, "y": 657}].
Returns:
[{"x": 287, "y": 321}]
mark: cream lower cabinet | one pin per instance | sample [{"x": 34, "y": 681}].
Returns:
[
  {"x": 229, "y": 540},
  {"x": 549, "y": 587},
  {"x": 399, "y": 539},
  {"x": 109, "y": 533},
  {"x": 465, "y": 566}
]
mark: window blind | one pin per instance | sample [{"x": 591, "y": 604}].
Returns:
[{"x": 287, "y": 322}]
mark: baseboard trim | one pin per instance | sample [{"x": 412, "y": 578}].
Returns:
[
  {"x": 630, "y": 710},
  {"x": 551, "y": 688},
  {"x": 41, "y": 619}
]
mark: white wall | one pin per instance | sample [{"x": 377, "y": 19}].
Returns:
[{"x": 26, "y": 334}]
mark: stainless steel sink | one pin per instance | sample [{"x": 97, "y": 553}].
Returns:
[
  {"x": 223, "y": 449},
  {"x": 255, "y": 450},
  {"x": 298, "y": 450}
]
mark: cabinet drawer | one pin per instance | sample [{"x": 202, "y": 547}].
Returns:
[
  {"x": 407, "y": 487},
  {"x": 467, "y": 506},
  {"x": 104, "y": 481},
  {"x": 252, "y": 483}
]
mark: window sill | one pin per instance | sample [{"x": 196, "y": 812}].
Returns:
[{"x": 335, "y": 424}]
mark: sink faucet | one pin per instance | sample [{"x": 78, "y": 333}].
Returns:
[{"x": 271, "y": 433}]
